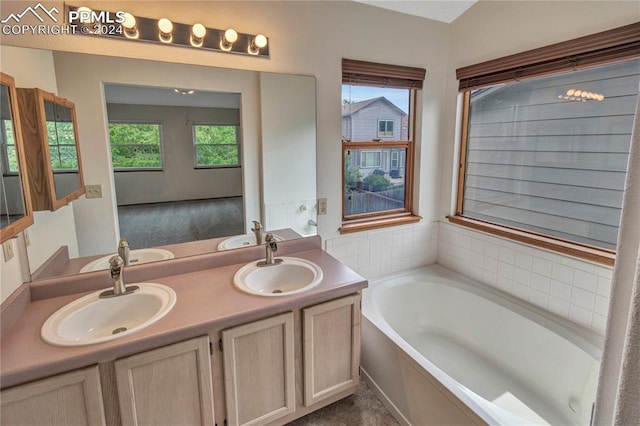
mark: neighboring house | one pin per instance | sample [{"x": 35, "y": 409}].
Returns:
[{"x": 370, "y": 120}]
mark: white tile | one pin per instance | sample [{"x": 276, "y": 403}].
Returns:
[
  {"x": 603, "y": 271},
  {"x": 585, "y": 281},
  {"x": 491, "y": 250},
  {"x": 338, "y": 251},
  {"x": 524, "y": 261},
  {"x": 464, "y": 241},
  {"x": 490, "y": 264},
  {"x": 578, "y": 264},
  {"x": 375, "y": 270},
  {"x": 489, "y": 277},
  {"x": 477, "y": 245},
  {"x": 540, "y": 283},
  {"x": 542, "y": 266},
  {"x": 543, "y": 254},
  {"x": 505, "y": 269},
  {"x": 504, "y": 283},
  {"x": 351, "y": 248},
  {"x": 604, "y": 286},
  {"x": 601, "y": 306},
  {"x": 507, "y": 255},
  {"x": 580, "y": 315},
  {"x": 583, "y": 298},
  {"x": 476, "y": 260},
  {"x": 560, "y": 290},
  {"x": 522, "y": 276},
  {"x": 559, "y": 306},
  {"x": 539, "y": 298},
  {"x": 562, "y": 273},
  {"x": 521, "y": 291},
  {"x": 599, "y": 323},
  {"x": 397, "y": 240}
]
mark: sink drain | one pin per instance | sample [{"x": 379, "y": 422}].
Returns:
[
  {"x": 119, "y": 330},
  {"x": 276, "y": 291}
]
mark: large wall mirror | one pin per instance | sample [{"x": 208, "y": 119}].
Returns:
[
  {"x": 15, "y": 203},
  {"x": 146, "y": 141}
]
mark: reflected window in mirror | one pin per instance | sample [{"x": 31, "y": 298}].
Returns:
[
  {"x": 136, "y": 146},
  {"x": 60, "y": 135},
  {"x": 15, "y": 204},
  {"x": 216, "y": 145}
]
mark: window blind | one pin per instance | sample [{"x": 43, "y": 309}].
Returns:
[
  {"x": 373, "y": 74},
  {"x": 608, "y": 46}
]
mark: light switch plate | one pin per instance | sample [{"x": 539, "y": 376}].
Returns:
[
  {"x": 7, "y": 250},
  {"x": 93, "y": 191},
  {"x": 322, "y": 206}
]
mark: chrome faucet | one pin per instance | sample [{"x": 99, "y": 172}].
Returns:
[
  {"x": 116, "y": 269},
  {"x": 271, "y": 247},
  {"x": 124, "y": 250},
  {"x": 312, "y": 222},
  {"x": 257, "y": 229}
]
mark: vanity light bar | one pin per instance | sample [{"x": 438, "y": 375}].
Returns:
[{"x": 126, "y": 26}]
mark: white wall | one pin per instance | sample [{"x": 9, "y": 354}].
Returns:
[{"x": 33, "y": 68}]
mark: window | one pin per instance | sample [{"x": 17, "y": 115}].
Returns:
[
  {"x": 8, "y": 142},
  {"x": 374, "y": 97},
  {"x": 385, "y": 128},
  {"x": 136, "y": 146},
  {"x": 371, "y": 159},
  {"x": 216, "y": 145},
  {"x": 544, "y": 159}
]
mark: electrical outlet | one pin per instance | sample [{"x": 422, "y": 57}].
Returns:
[
  {"x": 7, "y": 250},
  {"x": 93, "y": 191},
  {"x": 322, "y": 206},
  {"x": 27, "y": 240}
]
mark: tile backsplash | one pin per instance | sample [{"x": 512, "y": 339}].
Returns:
[
  {"x": 572, "y": 288},
  {"x": 387, "y": 250}
]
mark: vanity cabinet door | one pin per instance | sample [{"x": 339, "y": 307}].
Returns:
[
  {"x": 259, "y": 371},
  {"x": 72, "y": 398},
  {"x": 167, "y": 386},
  {"x": 331, "y": 348}
]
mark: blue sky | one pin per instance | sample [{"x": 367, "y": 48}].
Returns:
[{"x": 399, "y": 97}]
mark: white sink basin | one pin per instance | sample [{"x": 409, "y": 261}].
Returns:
[
  {"x": 136, "y": 257},
  {"x": 239, "y": 241},
  {"x": 90, "y": 320},
  {"x": 292, "y": 276}
]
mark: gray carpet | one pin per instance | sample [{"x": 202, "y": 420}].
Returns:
[
  {"x": 361, "y": 408},
  {"x": 151, "y": 225}
]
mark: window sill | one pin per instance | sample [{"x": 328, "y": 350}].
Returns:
[
  {"x": 594, "y": 254},
  {"x": 378, "y": 223}
]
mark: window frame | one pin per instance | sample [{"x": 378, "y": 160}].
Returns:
[
  {"x": 372, "y": 151},
  {"x": 372, "y": 74},
  {"x": 608, "y": 47},
  {"x": 218, "y": 166},
  {"x": 160, "y": 142}
]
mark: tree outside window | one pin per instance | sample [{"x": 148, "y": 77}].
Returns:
[{"x": 216, "y": 145}]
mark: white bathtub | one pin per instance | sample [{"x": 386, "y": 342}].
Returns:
[{"x": 442, "y": 349}]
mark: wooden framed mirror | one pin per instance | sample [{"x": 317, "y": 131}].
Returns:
[
  {"x": 51, "y": 142},
  {"x": 16, "y": 213}
]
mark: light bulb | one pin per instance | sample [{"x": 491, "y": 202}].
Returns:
[
  {"x": 85, "y": 15},
  {"x": 260, "y": 41},
  {"x": 129, "y": 25},
  {"x": 256, "y": 44},
  {"x": 198, "y": 31},
  {"x": 230, "y": 36},
  {"x": 166, "y": 28}
]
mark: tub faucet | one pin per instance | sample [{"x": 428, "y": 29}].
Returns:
[
  {"x": 124, "y": 250},
  {"x": 116, "y": 269},
  {"x": 271, "y": 247},
  {"x": 257, "y": 229},
  {"x": 312, "y": 222}
]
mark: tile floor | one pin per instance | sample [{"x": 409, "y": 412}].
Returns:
[{"x": 362, "y": 408}]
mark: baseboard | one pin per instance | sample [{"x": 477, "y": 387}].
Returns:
[{"x": 385, "y": 400}]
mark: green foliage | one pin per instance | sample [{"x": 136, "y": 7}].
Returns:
[
  {"x": 135, "y": 145},
  {"x": 377, "y": 182},
  {"x": 62, "y": 145},
  {"x": 351, "y": 174},
  {"x": 9, "y": 145},
  {"x": 216, "y": 145}
]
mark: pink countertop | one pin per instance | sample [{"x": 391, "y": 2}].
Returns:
[{"x": 206, "y": 301}]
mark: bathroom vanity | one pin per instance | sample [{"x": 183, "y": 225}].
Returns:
[{"x": 220, "y": 356}]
